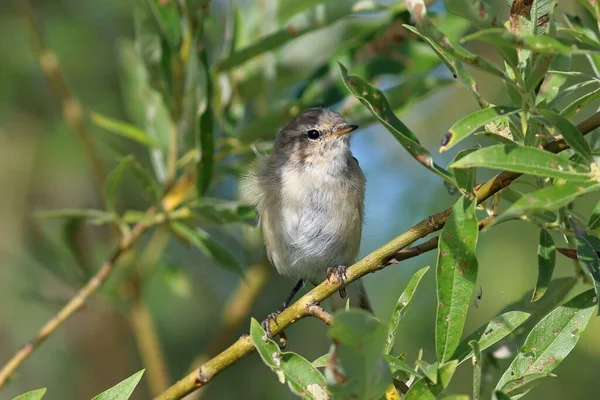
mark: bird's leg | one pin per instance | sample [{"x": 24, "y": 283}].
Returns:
[
  {"x": 286, "y": 303},
  {"x": 340, "y": 274}
]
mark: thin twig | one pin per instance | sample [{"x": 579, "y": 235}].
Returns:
[
  {"x": 317, "y": 311},
  {"x": 371, "y": 263},
  {"x": 72, "y": 109},
  {"x": 74, "y": 304}
]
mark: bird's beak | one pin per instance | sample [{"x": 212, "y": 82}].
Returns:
[{"x": 344, "y": 130}]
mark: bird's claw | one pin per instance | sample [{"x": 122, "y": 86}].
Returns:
[
  {"x": 265, "y": 324},
  {"x": 340, "y": 274}
]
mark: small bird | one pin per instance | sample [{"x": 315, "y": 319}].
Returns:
[{"x": 309, "y": 195}]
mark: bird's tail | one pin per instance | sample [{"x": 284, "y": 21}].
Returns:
[{"x": 356, "y": 294}]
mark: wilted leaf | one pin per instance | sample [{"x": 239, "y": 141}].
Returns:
[
  {"x": 587, "y": 252},
  {"x": 552, "y": 339},
  {"x": 401, "y": 307},
  {"x": 525, "y": 160},
  {"x": 357, "y": 368},
  {"x": 376, "y": 102},
  {"x": 456, "y": 274},
  {"x": 491, "y": 333},
  {"x": 32, "y": 395},
  {"x": 468, "y": 124},
  {"x": 546, "y": 261},
  {"x": 122, "y": 390},
  {"x": 208, "y": 246}
]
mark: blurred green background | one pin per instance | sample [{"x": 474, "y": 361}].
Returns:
[{"x": 42, "y": 167}]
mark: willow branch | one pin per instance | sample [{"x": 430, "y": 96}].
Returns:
[
  {"x": 74, "y": 304},
  {"x": 72, "y": 110},
  {"x": 375, "y": 261},
  {"x": 317, "y": 311}
]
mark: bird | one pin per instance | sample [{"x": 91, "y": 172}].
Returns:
[{"x": 309, "y": 197}]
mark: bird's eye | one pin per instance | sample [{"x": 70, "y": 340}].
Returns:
[{"x": 313, "y": 134}]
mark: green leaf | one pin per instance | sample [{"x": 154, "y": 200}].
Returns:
[
  {"x": 576, "y": 106},
  {"x": 594, "y": 222},
  {"x": 456, "y": 274},
  {"x": 465, "y": 177},
  {"x": 481, "y": 13},
  {"x": 123, "y": 129},
  {"x": 430, "y": 371},
  {"x": 225, "y": 212},
  {"x": 424, "y": 389},
  {"x": 525, "y": 160},
  {"x": 549, "y": 198},
  {"x": 570, "y": 133},
  {"x": 551, "y": 85},
  {"x": 523, "y": 385},
  {"x": 357, "y": 368},
  {"x": 208, "y": 246},
  {"x": 587, "y": 253},
  {"x": 95, "y": 216},
  {"x": 491, "y": 333},
  {"x": 546, "y": 261},
  {"x": 400, "y": 369},
  {"x": 476, "y": 369},
  {"x": 122, "y": 390},
  {"x": 32, "y": 395},
  {"x": 111, "y": 185},
  {"x": 401, "y": 307},
  {"x": 376, "y": 102},
  {"x": 468, "y": 124},
  {"x": 544, "y": 44},
  {"x": 330, "y": 13},
  {"x": 302, "y": 377},
  {"x": 321, "y": 362},
  {"x": 552, "y": 339}
]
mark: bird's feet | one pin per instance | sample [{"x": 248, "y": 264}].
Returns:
[
  {"x": 266, "y": 323},
  {"x": 266, "y": 326},
  {"x": 340, "y": 274}
]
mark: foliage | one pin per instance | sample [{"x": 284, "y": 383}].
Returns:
[{"x": 202, "y": 94}]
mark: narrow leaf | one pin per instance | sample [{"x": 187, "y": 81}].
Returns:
[
  {"x": 525, "y": 384},
  {"x": 424, "y": 389},
  {"x": 376, "y": 102},
  {"x": 96, "y": 216},
  {"x": 550, "y": 198},
  {"x": 587, "y": 252},
  {"x": 552, "y": 339},
  {"x": 401, "y": 307},
  {"x": 465, "y": 177},
  {"x": 111, "y": 185},
  {"x": 546, "y": 262},
  {"x": 32, "y": 395},
  {"x": 544, "y": 44},
  {"x": 476, "y": 360},
  {"x": 123, "y": 129},
  {"x": 594, "y": 222},
  {"x": 525, "y": 160},
  {"x": 579, "y": 104},
  {"x": 208, "y": 246},
  {"x": 491, "y": 333},
  {"x": 469, "y": 124},
  {"x": 550, "y": 87},
  {"x": 455, "y": 276},
  {"x": 122, "y": 390},
  {"x": 398, "y": 366},
  {"x": 570, "y": 133}
]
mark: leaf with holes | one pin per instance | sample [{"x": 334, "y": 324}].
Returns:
[
  {"x": 456, "y": 274},
  {"x": 552, "y": 339},
  {"x": 468, "y": 124}
]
